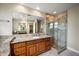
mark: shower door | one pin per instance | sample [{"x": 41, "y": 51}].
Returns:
[{"x": 60, "y": 26}]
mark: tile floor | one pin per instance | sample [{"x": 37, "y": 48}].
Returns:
[
  {"x": 53, "y": 52},
  {"x": 68, "y": 53}
]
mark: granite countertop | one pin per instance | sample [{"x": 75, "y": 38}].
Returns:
[
  {"x": 27, "y": 38},
  {"x": 5, "y": 45}
]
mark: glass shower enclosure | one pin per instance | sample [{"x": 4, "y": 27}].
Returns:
[
  {"x": 58, "y": 30},
  {"x": 60, "y": 33}
]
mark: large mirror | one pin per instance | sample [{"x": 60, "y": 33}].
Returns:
[{"x": 25, "y": 24}]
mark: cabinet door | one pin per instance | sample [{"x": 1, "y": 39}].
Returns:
[
  {"x": 47, "y": 44},
  {"x": 41, "y": 47},
  {"x": 31, "y": 50},
  {"x": 19, "y": 49}
]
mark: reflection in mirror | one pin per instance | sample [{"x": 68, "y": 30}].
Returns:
[
  {"x": 28, "y": 24},
  {"x": 19, "y": 26}
]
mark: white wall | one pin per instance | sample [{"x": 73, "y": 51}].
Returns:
[
  {"x": 73, "y": 28},
  {"x": 8, "y": 11},
  {"x": 5, "y": 27}
]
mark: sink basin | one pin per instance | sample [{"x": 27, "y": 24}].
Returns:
[{"x": 35, "y": 37}]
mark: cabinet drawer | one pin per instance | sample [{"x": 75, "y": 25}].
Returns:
[{"x": 18, "y": 45}]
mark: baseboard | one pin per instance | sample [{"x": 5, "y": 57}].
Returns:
[{"x": 73, "y": 50}]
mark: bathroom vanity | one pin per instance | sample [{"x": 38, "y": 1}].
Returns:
[
  {"x": 30, "y": 46},
  {"x": 25, "y": 44}
]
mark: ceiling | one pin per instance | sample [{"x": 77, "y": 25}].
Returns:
[{"x": 51, "y": 7}]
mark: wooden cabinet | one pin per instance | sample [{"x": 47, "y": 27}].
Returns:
[
  {"x": 41, "y": 47},
  {"x": 18, "y": 49},
  {"x": 47, "y": 44},
  {"x": 30, "y": 48}
]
